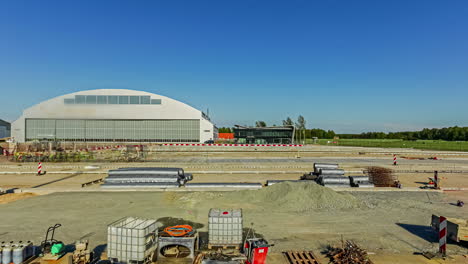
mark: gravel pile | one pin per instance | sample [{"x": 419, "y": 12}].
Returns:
[{"x": 281, "y": 197}]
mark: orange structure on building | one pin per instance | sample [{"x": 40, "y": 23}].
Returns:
[{"x": 226, "y": 136}]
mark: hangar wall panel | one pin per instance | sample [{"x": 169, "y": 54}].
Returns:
[{"x": 113, "y": 130}]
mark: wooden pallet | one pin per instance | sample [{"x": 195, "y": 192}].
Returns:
[
  {"x": 92, "y": 182},
  {"x": 301, "y": 257},
  {"x": 212, "y": 246}
]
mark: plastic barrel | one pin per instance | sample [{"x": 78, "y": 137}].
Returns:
[
  {"x": 18, "y": 254},
  {"x": 28, "y": 249},
  {"x": 6, "y": 255}
]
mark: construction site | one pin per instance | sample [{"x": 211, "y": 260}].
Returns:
[
  {"x": 234, "y": 132},
  {"x": 232, "y": 203}
]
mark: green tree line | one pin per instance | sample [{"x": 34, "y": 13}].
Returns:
[
  {"x": 309, "y": 133},
  {"x": 447, "y": 133},
  {"x": 225, "y": 130}
]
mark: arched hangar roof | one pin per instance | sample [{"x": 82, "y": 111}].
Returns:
[{"x": 112, "y": 104}]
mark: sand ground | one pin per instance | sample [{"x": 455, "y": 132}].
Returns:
[{"x": 392, "y": 228}]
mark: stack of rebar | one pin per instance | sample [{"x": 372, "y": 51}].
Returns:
[
  {"x": 348, "y": 253},
  {"x": 381, "y": 177},
  {"x": 146, "y": 178},
  {"x": 329, "y": 175}
]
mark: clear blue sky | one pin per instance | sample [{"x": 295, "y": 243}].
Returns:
[{"x": 351, "y": 66}]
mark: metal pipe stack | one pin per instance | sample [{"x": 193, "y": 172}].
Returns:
[
  {"x": 326, "y": 166},
  {"x": 146, "y": 178},
  {"x": 331, "y": 172},
  {"x": 272, "y": 182},
  {"x": 361, "y": 181},
  {"x": 329, "y": 175}
]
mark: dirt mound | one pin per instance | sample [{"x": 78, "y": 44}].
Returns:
[
  {"x": 298, "y": 196},
  {"x": 11, "y": 197},
  {"x": 286, "y": 197}
]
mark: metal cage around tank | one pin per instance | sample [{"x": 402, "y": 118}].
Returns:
[
  {"x": 225, "y": 227},
  {"x": 131, "y": 240}
]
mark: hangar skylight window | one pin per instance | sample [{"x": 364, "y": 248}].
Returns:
[{"x": 111, "y": 99}]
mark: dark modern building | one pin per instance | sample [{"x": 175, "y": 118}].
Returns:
[
  {"x": 264, "y": 135},
  {"x": 5, "y": 129}
]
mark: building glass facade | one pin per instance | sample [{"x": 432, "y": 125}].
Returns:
[
  {"x": 183, "y": 130},
  {"x": 111, "y": 99},
  {"x": 264, "y": 135}
]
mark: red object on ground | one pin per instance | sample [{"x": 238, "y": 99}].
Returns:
[
  {"x": 226, "y": 135},
  {"x": 259, "y": 255}
]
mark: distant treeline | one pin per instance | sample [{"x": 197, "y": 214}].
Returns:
[
  {"x": 309, "y": 133},
  {"x": 447, "y": 133},
  {"x": 225, "y": 130},
  {"x": 319, "y": 133}
]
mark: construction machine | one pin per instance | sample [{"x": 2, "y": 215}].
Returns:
[
  {"x": 82, "y": 255},
  {"x": 256, "y": 250},
  {"x": 52, "y": 249}
]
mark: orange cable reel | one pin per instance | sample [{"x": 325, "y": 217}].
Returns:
[{"x": 178, "y": 230}]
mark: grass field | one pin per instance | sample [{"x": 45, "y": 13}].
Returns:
[{"x": 398, "y": 143}]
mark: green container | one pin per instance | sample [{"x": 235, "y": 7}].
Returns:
[{"x": 57, "y": 248}]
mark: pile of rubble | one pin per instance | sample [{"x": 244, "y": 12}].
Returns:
[{"x": 348, "y": 253}]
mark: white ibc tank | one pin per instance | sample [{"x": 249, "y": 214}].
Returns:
[
  {"x": 131, "y": 239},
  {"x": 225, "y": 227}
]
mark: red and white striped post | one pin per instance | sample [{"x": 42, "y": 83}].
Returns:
[
  {"x": 394, "y": 159},
  {"x": 442, "y": 235},
  {"x": 39, "y": 168}
]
